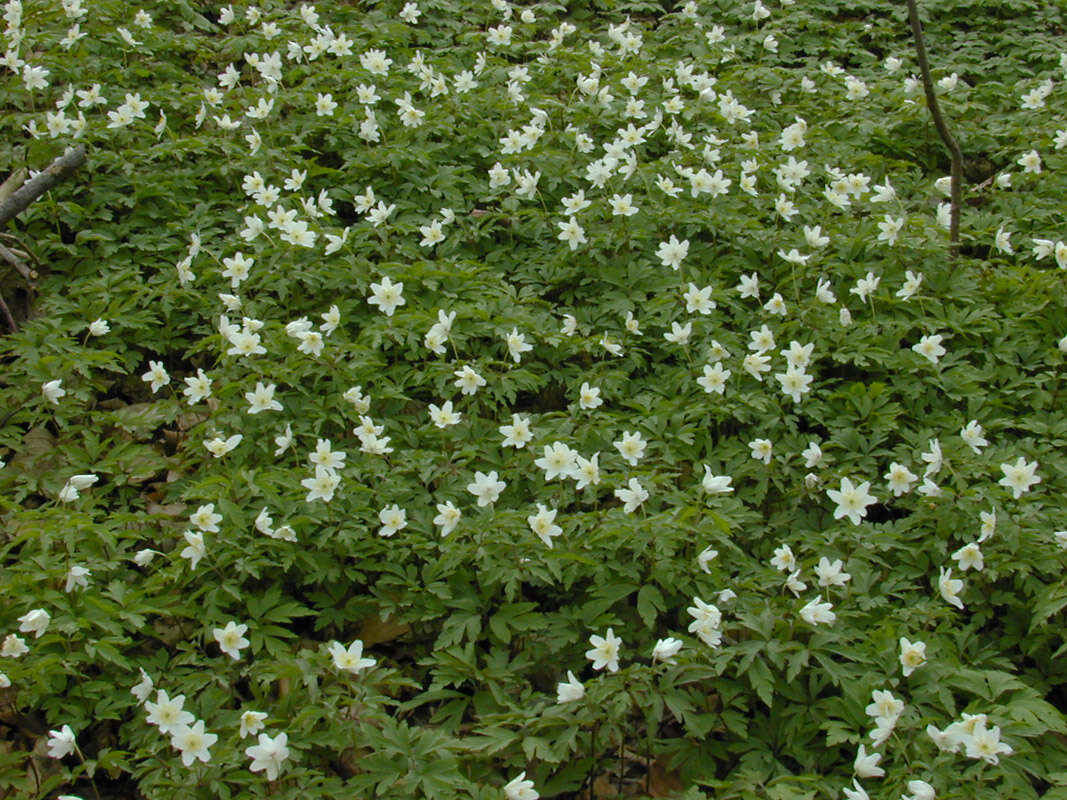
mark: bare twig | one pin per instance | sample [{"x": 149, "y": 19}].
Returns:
[
  {"x": 57, "y": 171},
  {"x": 942, "y": 127},
  {"x": 7, "y": 315},
  {"x": 17, "y": 263}
]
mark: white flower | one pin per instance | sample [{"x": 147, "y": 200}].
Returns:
[
  {"x": 283, "y": 442},
  {"x": 605, "y": 651},
  {"x": 61, "y": 743},
  {"x": 912, "y": 655},
  {"x": 884, "y": 705},
  {"x": 193, "y": 742},
  {"x": 1002, "y": 241},
  {"x": 632, "y": 497},
  {"x": 75, "y": 483},
  {"x": 793, "y": 256},
  {"x": 586, "y": 471},
  {"x": 447, "y": 518},
  {"x": 631, "y": 447},
  {"x": 1030, "y": 162},
  {"x": 705, "y": 557},
  {"x": 672, "y": 252},
  {"x": 679, "y": 334},
  {"x": 231, "y": 639},
  {"x": 543, "y": 524},
  {"x": 486, "y": 487},
  {"x": 589, "y": 397},
  {"x": 973, "y": 435},
  {"x": 950, "y": 587},
  {"x": 570, "y": 691},
  {"x": 517, "y": 345},
  {"x": 518, "y": 788},
  {"x": 558, "y": 461},
  {"x": 831, "y": 573},
  {"x": 262, "y": 399},
  {"x": 194, "y": 548},
  {"x": 900, "y": 478},
  {"x": 350, "y": 658},
  {"x": 197, "y": 388},
  {"x": 749, "y": 287},
  {"x": 882, "y": 730},
  {"x": 889, "y": 229},
  {"x": 322, "y": 486},
  {"x": 716, "y": 484},
  {"x": 761, "y": 450},
  {"x": 920, "y": 790},
  {"x": 444, "y": 416},
  {"x": 795, "y": 383},
  {"x": 166, "y": 713},
  {"x": 393, "y": 519},
  {"x": 467, "y": 380},
  {"x": 35, "y": 622},
  {"x": 911, "y": 285},
  {"x": 969, "y": 557},
  {"x": 762, "y": 340},
  {"x": 156, "y": 376},
  {"x": 989, "y": 524},
  {"x": 77, "y": 578},
  {"x": 387, "y": 296},
  {"x": 852, "y": 500},
  {"x": 665, "y": 650},
  {"x": 1020, "y": 476},
  {"x": 929, "y": 347},
  {"x": 985, "y": 744},
  {"x": 571, "y": 232},
  {"x": 632, "y": 324},
  {"x": 144, "y": 688},
  {"x": 783, "y": 559},
  {"x": 698, "y": 300},
  {"x": 144, "y": 557},
  {"x": 776, "y": 305},
  {"x": 252, "y": 723},
  {"x": 865, "y": 286},
  {"x": 815, "y": 613},
  {"x": 518, "y": 433},
  {"x": 269, "y": 754},
  {"x": 34, "y": 77},
  {"x": 933, "y": 458},
  {"x": 714, "y": 378},
  {"x": 13, "y": 647},
  {"x": 52, "y": 391},
  {"x": 866, "y": 765}
]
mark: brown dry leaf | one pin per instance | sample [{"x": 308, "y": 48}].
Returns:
[
  {"x": 604, "y": 786},
  {"x": 663, "y": 782},
  {"x": 374, "y": 630},
  {"x": 37, "y": 452},
  {"x": 167, "y": 509},
  {"x": 190, "y": 419}
]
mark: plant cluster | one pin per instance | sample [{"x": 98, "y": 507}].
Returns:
[{"x": 472, "y": 400}]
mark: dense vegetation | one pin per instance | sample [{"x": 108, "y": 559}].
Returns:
[{"x": 476, "y": 400}]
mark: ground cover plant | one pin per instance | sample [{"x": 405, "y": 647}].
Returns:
[{"x": 448, "y": 399}]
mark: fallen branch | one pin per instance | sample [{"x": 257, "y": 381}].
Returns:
[
  {"x": 57, "y": 171},
  {"x": 942, "y": 128}
]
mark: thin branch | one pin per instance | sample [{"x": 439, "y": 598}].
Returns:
[
  {"x": 941, "y": 125},
  {"x": 20, "y": 267},
  {"x": 7, "y": 315},
  {"x": 57, "y": 171}
]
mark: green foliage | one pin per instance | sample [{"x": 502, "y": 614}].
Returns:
[{"x": 319, "y": 533}]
